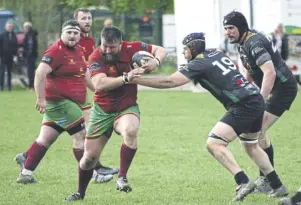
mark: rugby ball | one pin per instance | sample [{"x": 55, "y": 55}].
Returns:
[{"x": 137, "y": 59}]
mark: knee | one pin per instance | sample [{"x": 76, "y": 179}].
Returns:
[
  {"x": 46, "y": 141},
  {"x": 214, "y": 142},
  {"x": 210, "y": 145},
  {"x": 88, "y": 162},
  {"x": 130, "y": 132}
]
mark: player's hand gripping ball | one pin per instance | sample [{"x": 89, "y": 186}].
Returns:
[{"x": 140, "y": 58}]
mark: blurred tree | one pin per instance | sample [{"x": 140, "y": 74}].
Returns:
[
  {"x": 47, "y": 16},
  {"x": 121, "y": 6}
]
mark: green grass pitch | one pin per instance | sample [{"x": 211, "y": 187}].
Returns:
[{"x": 171, "y": 167}]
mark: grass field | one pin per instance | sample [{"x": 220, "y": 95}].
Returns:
[{"x": 172, "y": 166}]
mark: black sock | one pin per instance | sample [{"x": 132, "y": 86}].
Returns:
[
  {"x": 297, "y": 197},
  {"x": 241, "y": 178},
  {"x": 270, "y": 153},
  {"x": 274, "y": 180}
]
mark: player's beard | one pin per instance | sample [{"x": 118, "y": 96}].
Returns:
[
  {"x": 85, "y": 30},
  {"x": 110, "y": 58},
  {"x": 72, "y": 43}
]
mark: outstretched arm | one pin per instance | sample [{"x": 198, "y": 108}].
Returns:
[{"x": 175, "y": 80}]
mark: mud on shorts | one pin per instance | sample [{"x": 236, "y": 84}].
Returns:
[
  {"x": 102, "y": 123},
  {"x": 282, "y": 97},
  {"x": 245, "y": 116},
  {"x": 64, "y": 115}
]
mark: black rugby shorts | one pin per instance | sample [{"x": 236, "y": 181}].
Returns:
[{"x": 245, "y": 116}]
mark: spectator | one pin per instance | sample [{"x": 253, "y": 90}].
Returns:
[
  {"x": 8, "y": 51},
  {"x": 30, "y": 45},
  {"x": 280, "y": 40}
]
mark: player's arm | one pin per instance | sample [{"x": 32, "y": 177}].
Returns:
[
  {"x": 102, "y": 83},
  {"x": 159, "y": 53},
  {"x": 264, "y": 61},
  {"x": 175, "y": 80},
  {"x": 269, "y": 76},
  {"x": 89, "y": 81},
  {"x": 39, "y": 84},
  {"x": 181, "y": 77}
]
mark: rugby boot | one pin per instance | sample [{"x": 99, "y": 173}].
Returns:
[
  {"x": 280, "y": 192},
  {"x": 74, "y": 197},
  {"x": 26, "y": 179},
  {"x": 262, "y": 185},
  {"x": 244, "y": 190},
  {"x": 99, "y": 178},
  {"x": 123, "y": 185},
  {"x": 107, "y": 170}
]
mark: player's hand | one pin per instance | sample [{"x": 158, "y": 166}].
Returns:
[
  {"x": 41, "y": 105},
  {"x": 137, "y": 72},
  {"x": 150, "y": 65}
]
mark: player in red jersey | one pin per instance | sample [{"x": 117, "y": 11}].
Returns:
[
  {"x": 114, "y": 107},
  {"x": 60, "y": 85},
  {"x": 84, "y": 17}
]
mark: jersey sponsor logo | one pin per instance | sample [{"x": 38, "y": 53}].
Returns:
[
  {"x": 84, "y": 49},
  {"x": 256, "y": 50},
  {"x": 71, "y": 61},
  {"x": 94, "y": 66},
  {"x": 213, "y": 54},
  {"x": 144, "y": 46},
  {"x": 47, "y": 59},
  {"x": 62, "y": 122}
]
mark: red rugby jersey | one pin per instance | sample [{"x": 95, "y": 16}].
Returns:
[
  {"x": 67, "y": 79},
  {"x": 86, "y": 43},
  {"x": 125, "y": 96}
]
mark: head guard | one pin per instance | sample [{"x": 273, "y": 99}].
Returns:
[
  {"x": 196, "y": 43},
  {"x": 237, "y": 19}
]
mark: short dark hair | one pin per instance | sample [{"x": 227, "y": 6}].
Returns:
[
  {"x": 84, "y": 10},
  {"x": 111, "y": 34},
  {"x": 70, "y": 22}
]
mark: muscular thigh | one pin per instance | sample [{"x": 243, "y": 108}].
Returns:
[
  {"x": 64, "y": 114},
  {"x": 222, "y": 132},
  {"x": 128, "y": 121},
  {"x": 100, "y": 122}
]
